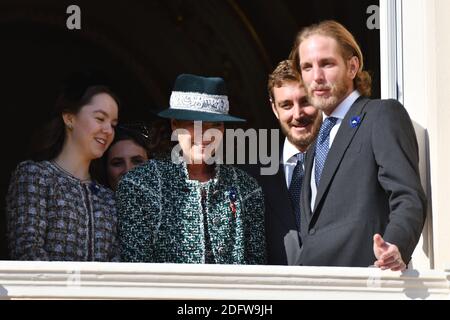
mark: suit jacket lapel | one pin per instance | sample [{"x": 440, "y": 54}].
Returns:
[
  {"x": 285, "y": 197},
  {"x": 306, "y": 189},
  {"x": 341, "y": 142},
  {"x": 278, "y": 195}
]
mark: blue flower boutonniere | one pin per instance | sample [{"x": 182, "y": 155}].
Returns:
[{"x": 355, "y": 121}]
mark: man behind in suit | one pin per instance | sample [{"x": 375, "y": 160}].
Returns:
[
  {"x": 300, "y": 123},
  {"x": 362, "y": 199}
]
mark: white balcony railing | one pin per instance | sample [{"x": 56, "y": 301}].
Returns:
[{"x": 78, "y": 280}]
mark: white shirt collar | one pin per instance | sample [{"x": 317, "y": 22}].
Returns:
[
  {"x": 342, "y": 109},
  {"x": 289, "y": 151}
]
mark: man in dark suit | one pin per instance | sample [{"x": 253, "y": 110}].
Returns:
[
  {"x": 300, "y": 123},
  {"x": 362, "y": 201}
]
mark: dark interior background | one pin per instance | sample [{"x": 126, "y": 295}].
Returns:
[{"x": 143, "y": 45}]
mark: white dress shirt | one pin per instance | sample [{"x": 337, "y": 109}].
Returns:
[{"x": 289, "y": 160}]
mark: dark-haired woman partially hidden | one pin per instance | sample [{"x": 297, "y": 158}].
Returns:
[
  {"x": 129, "y": 149},
  {"x": 55, "y": 211}
]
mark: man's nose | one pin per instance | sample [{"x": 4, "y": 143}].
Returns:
[
  {"x": 297, "y": 111},
  {"x": 318, "y": 74}
]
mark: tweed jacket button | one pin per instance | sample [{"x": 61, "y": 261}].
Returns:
[
  {"x": 216, "y": 221},
  {"x": 221, "y": 250},
  {"x": 312, "y": 231}
]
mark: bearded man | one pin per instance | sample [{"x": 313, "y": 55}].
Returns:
[{"x": 362, "y": 202}]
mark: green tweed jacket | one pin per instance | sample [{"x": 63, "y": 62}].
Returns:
[{"x": 165, "y": 217}]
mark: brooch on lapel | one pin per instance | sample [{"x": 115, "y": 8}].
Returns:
[
  {"x": 355, "y": 121},
  {"x": 232, "y": 196}
]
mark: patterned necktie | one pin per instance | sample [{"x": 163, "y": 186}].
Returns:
[
  {"x": 323, "y": 145},
  {"x": 296, "y": 186}
]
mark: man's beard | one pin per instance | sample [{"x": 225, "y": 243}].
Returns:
[
  {"x": 337, "y": 94},
  {"x": 304, "y": 140}
]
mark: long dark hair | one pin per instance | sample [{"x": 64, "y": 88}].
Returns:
[{"x": 76, "y": 92}]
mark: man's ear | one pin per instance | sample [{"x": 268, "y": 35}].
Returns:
[
  {"x": 274, "y": 109},
  {"x": 353, "y": 66}
]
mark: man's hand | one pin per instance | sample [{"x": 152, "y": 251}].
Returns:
[{"x": 387, "y": 254}]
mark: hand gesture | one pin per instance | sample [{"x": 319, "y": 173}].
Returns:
[{"x": 387, "y": 254}]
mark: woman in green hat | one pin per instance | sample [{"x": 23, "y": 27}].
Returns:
[{"x": 189, "y": 209}]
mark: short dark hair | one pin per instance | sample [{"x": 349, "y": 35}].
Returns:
[
  {"x": 137, "y": 132},
  {"x": 284, "y": 72}
]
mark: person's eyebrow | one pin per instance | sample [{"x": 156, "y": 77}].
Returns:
[
  {"x": 102, "y": 112},
  {"x": 106, "y": 115},
  {"x": 284, "y": 101},
  {"x": 304, "y": 99}
]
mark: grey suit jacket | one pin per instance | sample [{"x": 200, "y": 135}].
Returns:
[
  {"x": 370, "y": 184},
  {"x": 282, "y": 233}
]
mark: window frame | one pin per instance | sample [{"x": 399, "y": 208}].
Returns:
[{"x": 391, "y": 50}]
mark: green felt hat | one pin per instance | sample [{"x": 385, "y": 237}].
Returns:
[{"x": 199, "y": 98}]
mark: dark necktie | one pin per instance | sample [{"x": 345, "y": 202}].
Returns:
[
  {"x": 296, "y": 186},
  {"x": 322, "y": 146}
]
